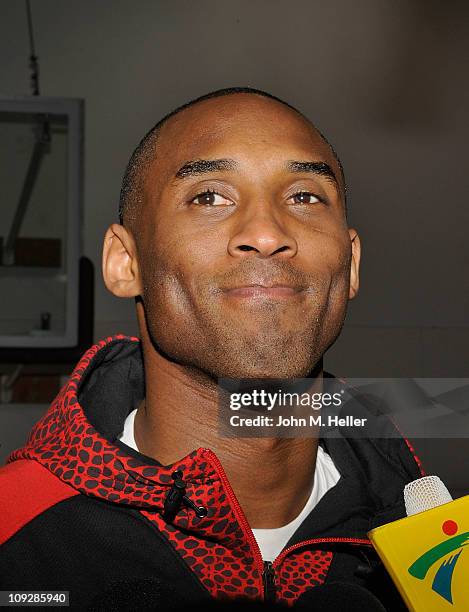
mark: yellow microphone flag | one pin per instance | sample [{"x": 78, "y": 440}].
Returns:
[{"x": 427, "y": 556}]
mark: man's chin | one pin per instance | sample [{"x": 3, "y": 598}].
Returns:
[{"x": 272, "y": 370}]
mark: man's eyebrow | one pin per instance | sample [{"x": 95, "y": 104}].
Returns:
[
  {"x": 315, "y": 167},
  {"x": 196, "y": 167},
  {"x": 202, "y": 166}
]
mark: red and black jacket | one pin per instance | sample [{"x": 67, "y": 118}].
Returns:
[{"x": 82, "y": 512}]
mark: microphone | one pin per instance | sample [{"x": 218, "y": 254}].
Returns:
[{"x": 425, "y": 552}]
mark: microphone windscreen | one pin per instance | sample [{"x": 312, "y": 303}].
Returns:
[{"x": 425, "y": 494}]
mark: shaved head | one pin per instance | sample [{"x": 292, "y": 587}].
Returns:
[
  {"x": 231, "y": 192},
  {"x": 133, "y": 184}
]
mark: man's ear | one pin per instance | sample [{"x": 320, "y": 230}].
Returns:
[
  {"x": 354, "y": 264},
  {"x": 120, "y": 265}
]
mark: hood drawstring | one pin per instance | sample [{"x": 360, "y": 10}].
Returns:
[{"x": 175, "y": 497}]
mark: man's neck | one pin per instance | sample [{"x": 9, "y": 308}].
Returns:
[{"x": 272, "y": 478}]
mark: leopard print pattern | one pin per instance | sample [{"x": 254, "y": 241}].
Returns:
[
  {"x": 215, "y": 547},
  {"x": 301, "y": 571}
]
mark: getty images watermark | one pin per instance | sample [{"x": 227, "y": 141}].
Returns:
[
  {"x": 331, "y": 407},
  {"x": 282, "y": 408},
  {"x": 262, "y": 399}
]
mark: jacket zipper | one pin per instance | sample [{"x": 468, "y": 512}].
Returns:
[
  {"x": 268, "y": 578},
  {"x": 267, "y": 568},
  {"x": 239, "y": 512}
]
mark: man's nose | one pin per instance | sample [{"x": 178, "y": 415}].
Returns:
[{"x": 262, "y": 232}]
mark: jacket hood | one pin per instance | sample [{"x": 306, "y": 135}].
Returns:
[
  {"x": 77, "y": 437},
  {"x": 76, "y": 440}
]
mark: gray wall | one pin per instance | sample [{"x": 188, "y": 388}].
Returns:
[{"x": 386, "y": 82}]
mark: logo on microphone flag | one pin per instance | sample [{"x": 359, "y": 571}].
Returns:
[
  {"x": 425, "y": 555},
  {"x": 442, "y": 581}
]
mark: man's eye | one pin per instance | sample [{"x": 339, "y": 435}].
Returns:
[
  {"x": 210, "y": 198},
  {"x": 304, "y": 197}
]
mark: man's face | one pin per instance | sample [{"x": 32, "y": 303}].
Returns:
[{"x": 215, "y": 236}]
